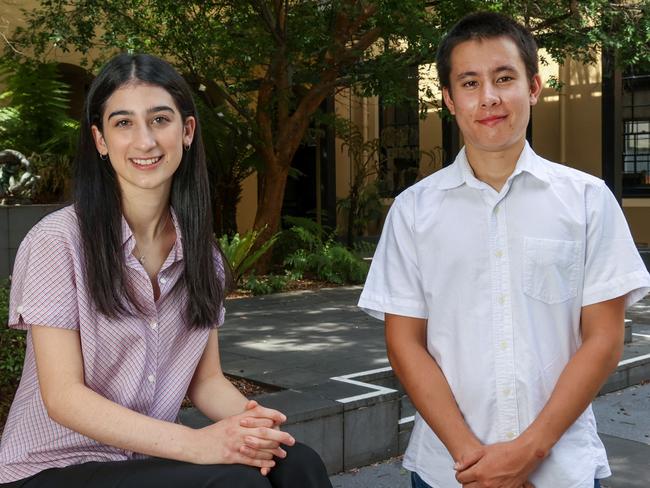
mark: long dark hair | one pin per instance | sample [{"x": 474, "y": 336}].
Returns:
[{"x": 99, "y": 210}]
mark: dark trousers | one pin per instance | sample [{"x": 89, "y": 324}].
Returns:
[{"x": 302, "y": 468}]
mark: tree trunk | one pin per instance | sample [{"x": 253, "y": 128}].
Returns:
[{"x": 269, "y": 208}]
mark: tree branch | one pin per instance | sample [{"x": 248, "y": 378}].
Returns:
[
  {"x": 266, "y": 15},
  {"x": 10, "y": 44},
  {"x": 573, "y": 12}
]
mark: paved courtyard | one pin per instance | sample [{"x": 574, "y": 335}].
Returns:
[{"x": 319, "y": 341}]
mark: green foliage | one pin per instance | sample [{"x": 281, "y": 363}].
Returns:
[
  {"x": 241, "y": 253},
  {"x": 274, "y": 63},
  {"x": 54, "y": 173},
  {"x": 365, "y": 248},
  {"x": 35, "y": 123},
  {"x": 325, "y": 259},
  {"x": 263, "y": 285},
  {"x": 230, "y": 156},
  {"x": 12, "y": 345},
  {"x": 363, "y": 204},
  {"x": 34, "y": 118},
  {"x": 299, "y": 233}
]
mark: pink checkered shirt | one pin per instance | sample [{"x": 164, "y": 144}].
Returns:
[{"x": 144, "y": 363}]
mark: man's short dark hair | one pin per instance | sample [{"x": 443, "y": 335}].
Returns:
[{"x": 486, "y": 25}]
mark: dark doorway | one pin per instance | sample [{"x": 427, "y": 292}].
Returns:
[{"x": 300, "y": 196}]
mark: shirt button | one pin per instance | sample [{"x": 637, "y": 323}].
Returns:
[
  {"x": 20, "y": 309},
  {"x": 504, "y": 345},
  {"x": 163, "y": 281},
  {"x": 499, "y": 253},
  {"x": 506, "y": 392},
  {"x": 510, "y": 435},
  {"x": 496, "y": 210},
  {"x": 151, "y": 378},
  {"x": 502, "y": 299},
  {"x": 154, "y": 325}
]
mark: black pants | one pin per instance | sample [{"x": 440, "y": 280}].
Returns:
[{"x": 302, "y": 468}]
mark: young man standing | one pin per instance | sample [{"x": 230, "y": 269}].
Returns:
[{"x": 503, "y": 281}]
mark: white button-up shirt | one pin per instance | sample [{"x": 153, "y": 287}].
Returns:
[{"x": 501, "y": 278}]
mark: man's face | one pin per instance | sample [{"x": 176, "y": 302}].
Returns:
[{"x": 490, "y": 93}]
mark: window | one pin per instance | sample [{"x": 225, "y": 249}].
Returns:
[
  {"x": 636, "y": 132},
  {"x": 636, "y": 150}
]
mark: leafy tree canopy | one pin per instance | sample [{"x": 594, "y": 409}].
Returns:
[{"x": 275, "y": 61}]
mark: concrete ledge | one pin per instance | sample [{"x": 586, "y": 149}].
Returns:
[
  {"x": 633, "y": 369},
  {"x": 15, "y": 222}
]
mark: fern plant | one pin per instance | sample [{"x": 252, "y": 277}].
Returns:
[
  {"x": 240, "y": 251},
  {"x": 263, "y": 285},
  {"x": 327, "y": 259},
  {"x": 34, "y": 116}
]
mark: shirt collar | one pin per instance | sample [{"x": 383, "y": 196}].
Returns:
[
  {"x": 530, "y": 163},
  {"x": 128, "y": 241},
  {"x": 460, "y": 172}
]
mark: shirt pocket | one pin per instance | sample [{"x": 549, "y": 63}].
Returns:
[{"x": 551, "y": 269}]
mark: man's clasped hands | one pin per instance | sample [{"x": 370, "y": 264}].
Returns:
[{"x": 500, "y": 465}]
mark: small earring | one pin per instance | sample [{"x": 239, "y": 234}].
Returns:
[
  {"x": 103, "y": 157},
  {"x": 186, "y": 147}
]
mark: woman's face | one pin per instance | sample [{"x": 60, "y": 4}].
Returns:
[{"x": 143, "y": 136}]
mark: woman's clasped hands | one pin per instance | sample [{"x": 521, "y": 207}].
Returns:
[{"x": 252, "y": 437}]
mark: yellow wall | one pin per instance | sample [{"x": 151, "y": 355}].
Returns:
[
  {"x": 567, "y": 124},
  {"x": 248, "y": 204},
  {"x": 546, "y": 118},
  {"x": 11, "y": 15},
  {"x": 584, "y": 139},
  {"x": 637, "y": 213}
]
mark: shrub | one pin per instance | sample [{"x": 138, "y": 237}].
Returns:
[
  {"x": 54, "y": 172},
  {"x": 12, "y": 355},
  {"x": 299, "y": 233},
  {"x": 12, "y": 344},
  {"x": 327, "y": 259},
  {"x": 34, "y": 112},
  {"x": 240, "y": 253},
  {"x": 263, "y": 285}
]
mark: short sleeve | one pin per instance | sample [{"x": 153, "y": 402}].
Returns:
[
  {"x": 393, "y": 284},
  {"x": 613, "y": 266},
  {"x": 43, "y": 285}
]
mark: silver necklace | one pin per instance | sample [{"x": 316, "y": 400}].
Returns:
[{"x": 142, "y": 257}]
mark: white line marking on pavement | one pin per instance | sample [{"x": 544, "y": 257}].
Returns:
[
  {"x": 406, "y": 420},
  {"x": 634, "y": 360},
  {"x": 645, "y": 336},
  {"x": 376, "y": 389}
]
